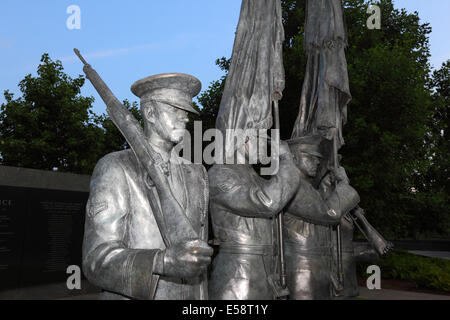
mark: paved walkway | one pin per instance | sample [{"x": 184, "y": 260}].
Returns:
[
  {"x": 92, "y": 296},
  {"x": 387, "y": 294},
  {"x": 383, "y": 294},
  {"x": 432, "y": 254}
]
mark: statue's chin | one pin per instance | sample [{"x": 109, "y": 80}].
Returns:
[
  {"x": 312, "y": 174},
  {"x": 176, "y": 139}
]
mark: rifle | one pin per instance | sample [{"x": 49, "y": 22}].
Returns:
[{"x": 378, "y": 242}]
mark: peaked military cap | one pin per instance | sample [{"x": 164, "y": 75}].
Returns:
[
  {"x": 175, "y": 89},
  {"x": 308, "y": 144}
]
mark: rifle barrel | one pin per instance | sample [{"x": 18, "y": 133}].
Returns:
[{"x": 77, "y": 52}]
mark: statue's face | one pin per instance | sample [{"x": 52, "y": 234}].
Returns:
[
  {"x": 307, "y": 163},
  {"x": 168, "y": 122}
]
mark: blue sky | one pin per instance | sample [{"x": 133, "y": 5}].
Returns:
[{"x": 129, "y": 40}]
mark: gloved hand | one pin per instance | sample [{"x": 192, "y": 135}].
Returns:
[
  {"x": 340, "y": 175},
  {"x": 284, "y": 148},
  {"x": 187, "y": 259}
]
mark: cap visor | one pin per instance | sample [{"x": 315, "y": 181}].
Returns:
[{"x": 184, "y": 107}]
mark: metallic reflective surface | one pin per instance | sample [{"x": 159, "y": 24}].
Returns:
[
  {"x": 308, "y": 227},
  {"x": 243, "y": 207},
  {"x": 122, "y": 237},
  {"x": 320, "y": 253},
  {"x": 354, "y": 252},
  {"x": 146, "y": 225},
  {"x": 256, "y": 76}
]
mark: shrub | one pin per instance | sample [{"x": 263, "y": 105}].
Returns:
[{"x": 425, "y": 272}]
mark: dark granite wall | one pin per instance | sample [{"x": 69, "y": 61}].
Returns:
[{"x": 41, "y": 229}]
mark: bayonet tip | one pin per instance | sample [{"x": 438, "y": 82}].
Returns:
[{"x": 77, "y": 52}]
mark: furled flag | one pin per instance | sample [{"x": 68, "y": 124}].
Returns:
[
  {"x": 256, "y": 74},
  {"x": 326, "y": 93}
]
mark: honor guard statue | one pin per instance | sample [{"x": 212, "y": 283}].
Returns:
[
  {"x": 308, "y": 221},
  {"x": 243, "y": 208},
  {"x": 146, "y": 224},
  {"x": 244, "y": 205},
  {"x": 323, "y": 111}
]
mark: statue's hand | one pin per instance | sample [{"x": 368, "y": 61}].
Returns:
[
  {"x": 327, "y": 181},
  {"x": 340, "y": 175},
  {"x": 284, "y": 148},
  {"x": 187, "y": 259}
]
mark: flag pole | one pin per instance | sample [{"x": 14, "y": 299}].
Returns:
[
  {"x": 276, "y": 113},
  {"x": 340, "y": 269}
]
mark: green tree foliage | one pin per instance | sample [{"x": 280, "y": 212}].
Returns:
[
  {"x": 112, "y": 139},
  {"x": 210, "y": 102},
  {"x": 424, "y": 272},
  {"x": 51, "y": 126},
  {"x": 434, "y": 184},
  {"x": 210, "y": 99},
  {"x": 386, "y": 148},
  {"x": 439, "y": 178},
  {"x": 393, "y": 155},
  {"x": 294, "y": 17},
  {"x": 397, "y": 137},
  {"x": 387, "y": 154}
]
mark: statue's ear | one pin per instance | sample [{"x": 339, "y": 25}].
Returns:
[{"x": 149, "y": 113}]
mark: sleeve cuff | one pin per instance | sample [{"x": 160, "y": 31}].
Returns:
[{"x": 142, "y": 280}]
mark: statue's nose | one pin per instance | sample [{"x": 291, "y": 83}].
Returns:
[{"x": 184, "y": 119}]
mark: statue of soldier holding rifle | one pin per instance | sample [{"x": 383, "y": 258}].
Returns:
[{"x": 146, "y": 224}]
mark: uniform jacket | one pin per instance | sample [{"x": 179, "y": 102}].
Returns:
[
  {"x": 310, "y": 214},
  {"x": 243, "y": 206},
  {"x": 309, "y": 238},
  {"x": 122, "y": 238}
]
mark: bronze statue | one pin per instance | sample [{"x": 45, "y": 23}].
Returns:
[
  {"x": 323, "y": 111},
  {"x": 243, "y": 208},
  {"x": 146, "y": 224},
  {"x": 147, "y": 215},
  {"x": 308, "y": 223},
  {"x": 244, "y": 205}
]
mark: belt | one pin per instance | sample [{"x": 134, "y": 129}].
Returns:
[
  {"x": 312, "y": 251},
  {"x": 260, "y": 250}
]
